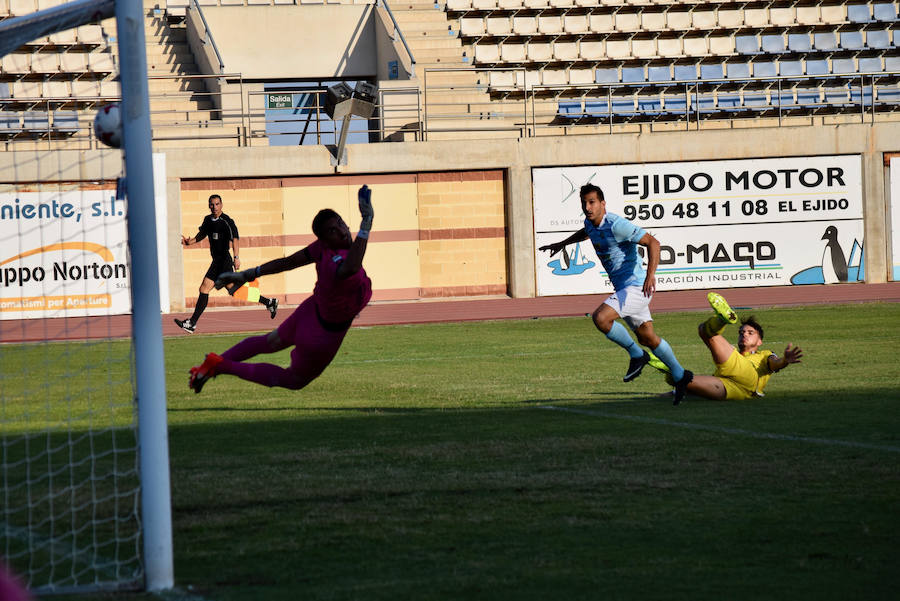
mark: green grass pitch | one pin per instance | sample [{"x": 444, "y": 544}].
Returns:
[{"x": 507, "y": 460}]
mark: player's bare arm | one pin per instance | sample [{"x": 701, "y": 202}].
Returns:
[
  {"x": 579, "y": 236},
  {"x": 652, "y": 246},
  {"x": 235, "y": 246},
  {"x": 792, "y": 354}
]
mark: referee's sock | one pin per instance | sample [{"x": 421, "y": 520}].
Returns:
[
  {"x": 200, "y": 307},
  {"x": 263, "y": 300},
  {"x": 667, "y": 356},
  {"x": 620, "y": 336}
]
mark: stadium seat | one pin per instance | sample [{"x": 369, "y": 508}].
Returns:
[
  {"x": 728, "y": 100},
  {"x": 90, "y": 35},
  {"x": 597, "y": 108},
  {"x": 807, "y": 97},
  {"x": 17, "y": 8},
  {"x": 859, "y": 13},
  {"x": 712, "y": 71},
  {"x": 721, "y": 45},
  {"x": 843, "y": 65},
  {"x": 817, "y": 67},
  {"x": 680, "y": 20},
  {"x": 644, "y": 48},
  {"x": 808, "y": 15},
  {"x": 696, "y": 46},
  {"x": 591, "y": 50},
  {"x": 837, "y": 95},
  {"x": 601, "y": 23},
  {"x": 539, "y": 52},
  {"x": 527, "y": 79},
  {"x": 799, "y": 42},
  {"x": 56, "y": 89},
  {"x": 562, "y": 3},
  {"x": 513, "y": 53},
  {"x": 702, "y": 20},
  {"x": 633, "y": 75},
  {"x": 755, "y": 100},
  {"x": 870, "y": 64},
  {"x": 738, "y": 70},
  {"x": 498, "y": 26},
  {"x": 747, "y": 44},
  {"x": 686, "y": 72},
  {"x": 675, "y": 104},
  {"x": 484, "y": 4},
  {"x": 628, "y": 21},
  {"x": 764, "y": 69},
  {"x": 471, "y": 26},
  {"x": 575, "y": 24},
  {"x": 65, "y": 122},
  {"x": 21, "y": 90},
  {"x": 730, "y": 18},
  {"x": 581, "y": 77},
  {"x": 606, "y": 75},
  {"x": 623, "y": 106},
  {"x": 554, "y": 77},
  {"x": 669, "y": 47},
  {"x": 487, "y": 53},
  {"x": 72, "y": 63},
  {"x": 878, "y": 38},
  {"x": 550, "y": 24},
  {"x": 9, "y": 125},
  {"x": 861, "y": 96},
  {"x": 884, "y": 12},
  {"x": 45, "y": 63},
  {"x": 659, "y": 73},
  {"x": 618, "y": 49},
  {"x": 458, "y": 5},
  {"x": 887, "y": 94},
  {"x": 537, "y": 4},
  {"x": 565, "y": 51},
  {"x": 63, "y": 38},
  {"x": 649, "y": 105},
  {"x": 825, "y": 41},
  {"x": 756, "y": 17},
  {"x": 783, "y": 99},
  {"x": 525, "y": 25},
  {"x": 782, "y": 16},
  {"x": 16, "y": 64},
  {"x": 833, "y": 14},
  {"x": 652, "y": 21},
  {"x": 501, "y": 79},
  {"x": 772, "y": 43},
  {"x": 587, "y": 3},
  {"x": 851, "y": 40},
  {"x": 790, "y": 68},
  {"x": 35, "y": 123}
]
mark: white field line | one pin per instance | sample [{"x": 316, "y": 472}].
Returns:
[{"x": 737, "y": 431}]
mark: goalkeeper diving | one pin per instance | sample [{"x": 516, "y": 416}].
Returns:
[{"x": 317, "y": 327}]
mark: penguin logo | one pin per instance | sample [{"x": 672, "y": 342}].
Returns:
[{"x": 835, "y": 267}]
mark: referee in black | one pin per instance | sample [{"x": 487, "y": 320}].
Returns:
[{"x": 223, "y": 237}]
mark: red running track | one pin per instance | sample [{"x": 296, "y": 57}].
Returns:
[{"x": 256, "y": 319}]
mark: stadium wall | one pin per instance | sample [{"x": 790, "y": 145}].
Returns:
[{"x": 423, "y": 188}]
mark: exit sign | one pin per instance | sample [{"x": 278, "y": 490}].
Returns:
[{"x": 279, "y": 101}]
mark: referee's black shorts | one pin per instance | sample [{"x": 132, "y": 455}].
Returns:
[{"x": 219, "y": 266}]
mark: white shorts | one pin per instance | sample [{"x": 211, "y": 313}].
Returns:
[{"x": 631, "y": 305}]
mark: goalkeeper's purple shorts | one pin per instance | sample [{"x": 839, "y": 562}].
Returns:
[{"x": 316, "y": 341}]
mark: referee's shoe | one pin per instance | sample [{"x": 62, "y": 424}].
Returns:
[{"x": 186, "y": 324}]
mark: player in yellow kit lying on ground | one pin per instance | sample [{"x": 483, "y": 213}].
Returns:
[{"x": 742, "y": 372}]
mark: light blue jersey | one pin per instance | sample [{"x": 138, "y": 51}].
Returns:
[{"x": 615, "y": 241}]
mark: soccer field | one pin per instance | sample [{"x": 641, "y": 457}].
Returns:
[{"x": 508, "y": 460}]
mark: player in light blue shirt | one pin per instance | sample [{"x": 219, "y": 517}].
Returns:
[{"x": 615, "y": 240}]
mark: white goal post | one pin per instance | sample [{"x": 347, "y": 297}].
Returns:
[{"x": 22, "y": 453}]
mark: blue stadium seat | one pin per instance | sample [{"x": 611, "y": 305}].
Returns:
[
  {"x": 607, "y": 75},
  {"x": 859, "y": 13},
  {"x": 784, "y": 98},
  {"x": 887, "y": 94},
  {"x": 870, "y": 64},
  {"x": 843, "y": 65},
  {"x": 799, "y": 42},
  {"x": 892, "y": 63},
  {"x": 676, "y": 104},
  {"x": 825, "y": 41},
  {"x": 706, "y": 102},
  {"x": 790, "y": 68},
  {"x": 650, "y": 104},
  {"x": 764, "y": 69},
  {"x": 773, "y": 43},
  {"x": 714, "y": 71},
  {"x": 623, "y": 106},
  {"x": 570, "y": 109},
  {"x": 838, "y": 95},
  {"x": 685, "y": 72},
  {"x": 878, "y": 38},
  {"x": 659, "y": 73},
  {"x": 852, "y": 40},
  {"x": 728, "y": 100},
  {"x": 747, "y": 44},
  {"x": 861, "y": 95},
  {"x": 756, "y": 100},
  {"x": 597, "y": 108},
  {"x": 35, "y": 123},
  {"x": 633, "y": 74},
  {"x": 817, "y": 67},
  {"x": 738, "y": 70},
  {"x": 808, "y": 97},
  {"x": 65, "y": 122},
  {"x": 9, "y": 125},
  {"x": 884, "y": 12}
]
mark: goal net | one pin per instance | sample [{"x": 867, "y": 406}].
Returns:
[{"x": 74, "y": 512}]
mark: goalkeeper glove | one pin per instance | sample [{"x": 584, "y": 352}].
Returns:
[
  {"x": 366, "y": 210},
  {"x": 240, "y": 277}
]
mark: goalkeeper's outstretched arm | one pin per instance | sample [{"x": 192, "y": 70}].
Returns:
[
  {"x": 353, "y": 262},
  {"x": 298, "y": 259}
]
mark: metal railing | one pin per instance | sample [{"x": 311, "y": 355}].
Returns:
[
  {"x": 398, "y": 32},
  {"x": 207, "y": 35}
]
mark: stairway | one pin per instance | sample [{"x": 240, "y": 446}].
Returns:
[{"x": 455, "y": 101}]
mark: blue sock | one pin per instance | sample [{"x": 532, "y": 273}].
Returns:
[
  {"x": 665, "y": 354},
  {"x": 620, "y": 336}
]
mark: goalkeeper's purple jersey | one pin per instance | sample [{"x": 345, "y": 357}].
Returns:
[
  {"x": 615, "y": 241},
  {"x": 338, "y": 300}
]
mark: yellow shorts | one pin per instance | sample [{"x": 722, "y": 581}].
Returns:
[{"x": 738, "y": 376}]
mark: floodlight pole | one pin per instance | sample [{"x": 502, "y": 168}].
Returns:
[
  {"x": 339, "y": 158},
  {"x": 156, "y": 509}
]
